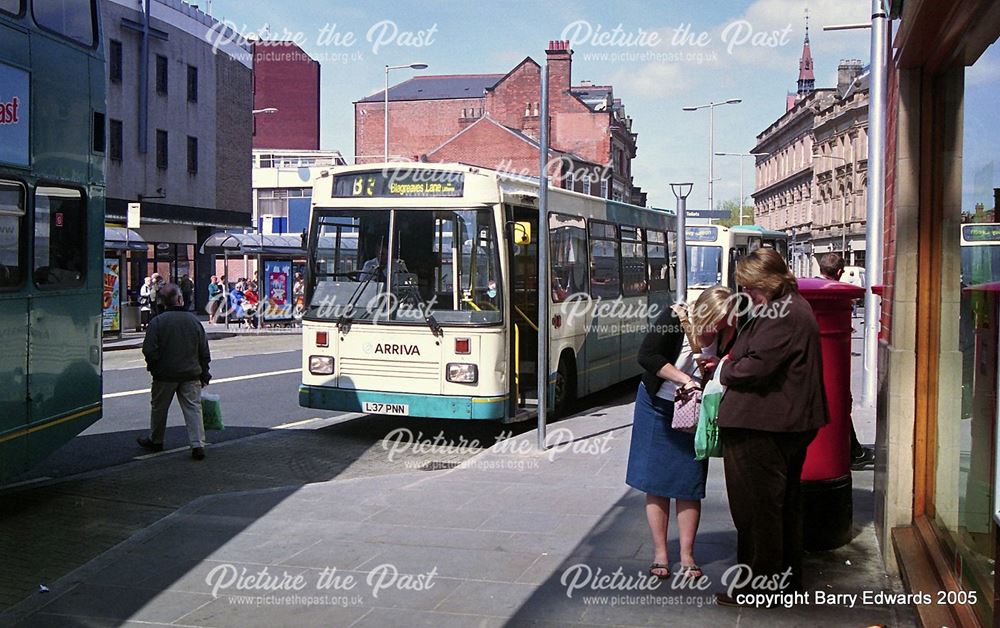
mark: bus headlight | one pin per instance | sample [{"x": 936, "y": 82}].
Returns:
[
  {"x": 321, "y": 364},
  {"x": 463, "y": 373}
]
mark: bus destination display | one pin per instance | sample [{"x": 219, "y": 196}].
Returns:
[
  {"x": 399, "y": 184},
  {"x": 701, "y": 234},
  {"x": 982, "y": 232}
]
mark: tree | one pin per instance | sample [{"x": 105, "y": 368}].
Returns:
[{"x": 734, "y": 214}]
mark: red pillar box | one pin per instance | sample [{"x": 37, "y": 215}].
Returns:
[{"x": 826, "y": 476}]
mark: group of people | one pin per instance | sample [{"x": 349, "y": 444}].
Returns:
[
  {"x": 774, "y": 404},
  {"x": 243, "y": 298},
  {"x": 152, "y": 301}
]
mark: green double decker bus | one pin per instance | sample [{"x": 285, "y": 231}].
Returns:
[{"x": 52, "y": 119}]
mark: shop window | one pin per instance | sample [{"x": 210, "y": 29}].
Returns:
[
  {"x": 11, "y": 237},
  {"x": 568, "y": 251},
  {"x": 73, "y": 19},
  {"x": 60, "y": 237}
]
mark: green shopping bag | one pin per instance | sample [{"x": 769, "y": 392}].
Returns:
[
  {"x": 707, "y": 443},
  {"x": 211, "y": 412}
]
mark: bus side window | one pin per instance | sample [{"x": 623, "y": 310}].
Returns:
[
  {"x": 605, "y": 279},
  {"x": 60, "y": 236},
  {"x": 658, "y": 262},
  {"x": 568, "y": 255},
  {"x": 11, "y": 229},
  {"x": 633, "y": 262}
]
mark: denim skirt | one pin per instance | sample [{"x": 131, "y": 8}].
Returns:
[{"x": 661, "y": 459}]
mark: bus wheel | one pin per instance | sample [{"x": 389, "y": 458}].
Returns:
[{"x": 565, "y": 386}]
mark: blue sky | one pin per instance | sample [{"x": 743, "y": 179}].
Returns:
[{"x": 670, "y": 71}]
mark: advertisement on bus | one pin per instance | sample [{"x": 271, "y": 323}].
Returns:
[{"x": 13, "y": 116}]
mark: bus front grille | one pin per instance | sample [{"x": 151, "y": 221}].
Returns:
[{"x": 361, "y": 367}]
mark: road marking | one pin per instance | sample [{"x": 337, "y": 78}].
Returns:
[
  {"x": 160, "y": 453},
  {"x": 339, "y": 418},
  {"x": 238, "y": 378}
]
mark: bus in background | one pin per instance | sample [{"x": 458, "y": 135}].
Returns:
[
  {"x": 712, "y": 252},
  {"x": 422, "y": 295},
  {"x": 52, "y": 109}
]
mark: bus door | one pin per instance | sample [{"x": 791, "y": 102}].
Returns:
[{"x": 524, "y": 312}]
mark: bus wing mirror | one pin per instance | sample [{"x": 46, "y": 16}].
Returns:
[{"x": 522, "y": 233}]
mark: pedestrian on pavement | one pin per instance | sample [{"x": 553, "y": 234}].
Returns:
[
  {"x": 156, "y": 300},
  {"x": 187, "y": 290},
  {"x": 214, "y": 297},
  {"x": 145, "y": 302},
  {"x": 661, "y": 460},
  {"x": 774, "y": 404},
  {"x": 177, "y": 356},
  {"x": 831, "y": 266}
]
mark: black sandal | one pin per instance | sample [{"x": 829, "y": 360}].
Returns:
[{"x": 663, "y": 566}]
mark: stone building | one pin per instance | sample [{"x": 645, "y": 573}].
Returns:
[
  {"x": 179, "y": 133},
  {"x": 492, "y": 120}
]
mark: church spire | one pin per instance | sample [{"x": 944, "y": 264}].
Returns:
[{"x": 807, "y": 81}]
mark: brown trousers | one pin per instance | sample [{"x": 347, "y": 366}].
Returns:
[{"x": 762, "y": 479}]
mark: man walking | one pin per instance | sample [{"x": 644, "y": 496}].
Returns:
[{"x": 176, "y": 352}]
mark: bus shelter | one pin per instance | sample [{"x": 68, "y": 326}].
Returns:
[
  {"x": 118, "y": 312},
  {"x": 277, "y": 259}
]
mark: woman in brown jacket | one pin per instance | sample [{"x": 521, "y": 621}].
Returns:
[{"x": 773, "y": 406}]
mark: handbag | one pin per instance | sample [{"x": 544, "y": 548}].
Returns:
[
  {"x": 707, "y": 440},
  {"x": 687, "y": 411}
]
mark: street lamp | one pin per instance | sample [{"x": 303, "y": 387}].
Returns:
[
  {"x": 741, "y": 173},
  {"x": 265, "y": 110},
  {"x": 681, "y": 192},
  {"x": 259, "y": 223},
  {"x": 385, "y": 123},
  {"x": 711, "y": 141}
]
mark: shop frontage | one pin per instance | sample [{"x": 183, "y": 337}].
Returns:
[{"x": 937, "y": 412}]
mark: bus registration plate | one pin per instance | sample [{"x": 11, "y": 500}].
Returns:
[{"x": 374, "y": 407}]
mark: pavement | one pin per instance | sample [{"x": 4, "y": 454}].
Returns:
[
  {"x": 509, "y": 536},
  {"x": 133, "y": 339}
]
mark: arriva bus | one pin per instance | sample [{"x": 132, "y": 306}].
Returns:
[
  {"x": 447, "y": 324},
  {"x": 712, "y": 251},
  {"x": 51, "y": 225}
]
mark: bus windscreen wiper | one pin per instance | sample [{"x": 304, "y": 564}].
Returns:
[{"x": 348, "y": 316}]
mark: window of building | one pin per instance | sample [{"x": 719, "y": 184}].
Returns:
[
  {"x": 161, "y": 149},
  {"x": 98, "y": 131},
  {"x": 115, "y": 61},
  {"x": 568, "y": 249},
  {"x": 73, "y": 19},
  {"x": 604, "y": 188},
  {"x": 192, "y": 83},
  {"x": 161, "y": 75},
  {"x": 266, "y": 161},
  {"x": 60, "y": 236},
  {"x": 115, "y": 140},
  {"x": 192, "y": 154},
  {"x": 633, "y": 250},
  {"x": 11, "y": 234},
  {"x": 605, "y": 278}
]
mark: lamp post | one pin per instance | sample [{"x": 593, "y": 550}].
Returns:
[
  {"x": 264, "y": 110},
  {"x": 259, "y": 222},
  {"x": 741, "y": 172},
  {"x": 711, "y": 141},
  {"x": 385, "y": 109},
  {"x": 681, "y": 192}
]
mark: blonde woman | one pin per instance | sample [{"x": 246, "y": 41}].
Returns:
[{"x": 661, "y": 459}]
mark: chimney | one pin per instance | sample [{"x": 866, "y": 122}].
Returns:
[
  {"x": 847, "y": 72},
  {"x": 559, "y": 60}
]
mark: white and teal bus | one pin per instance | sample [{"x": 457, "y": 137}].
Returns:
[
  {"x": 712, "y": 251},
  {"x": 422, "y": 291}
]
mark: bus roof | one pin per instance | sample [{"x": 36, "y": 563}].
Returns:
[{"x": 758, "y": 229}]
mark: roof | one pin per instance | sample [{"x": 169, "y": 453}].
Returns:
[
  {"x": 487, "y": 119},
  {"x": 122, "y": 239},
  {"x": 596, "y": 97},
  {"x": 439, "y": 87},
  {"x": 253, "y": 244}
]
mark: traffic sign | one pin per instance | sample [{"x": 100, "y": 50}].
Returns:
[{"x": 134, "y": 215}]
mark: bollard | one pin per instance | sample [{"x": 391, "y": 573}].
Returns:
[{"x": 827, "y": 504}]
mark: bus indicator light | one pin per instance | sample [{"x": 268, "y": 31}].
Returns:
[
  {"x": 322, "y": 339},
  {"x": 321, "y": 364},
  {"x": 463, "y": 373},
  {"x": 463, "y": 346}
]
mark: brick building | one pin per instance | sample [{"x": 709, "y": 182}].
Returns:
[
  {"x": 492, "y": 120},
  {"x": 287, "y": 79}
]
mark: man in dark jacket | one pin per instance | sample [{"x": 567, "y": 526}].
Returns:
[{"x": 176, "y": 352}]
